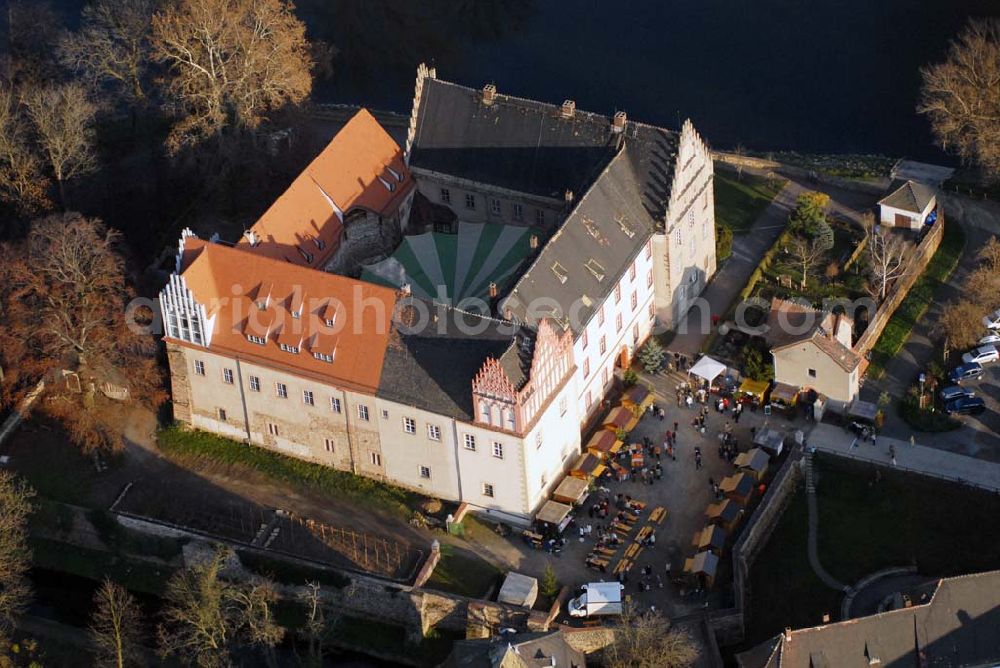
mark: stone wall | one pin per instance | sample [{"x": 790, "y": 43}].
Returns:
[
  {"x": 180, "y": 390},
  {"x": 732, "y": 161},
  {"x": 918, "y": 262}
]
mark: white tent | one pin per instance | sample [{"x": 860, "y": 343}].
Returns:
[
  {"x": 519, "y": 589},
  {"x": 708, "y": 368}
]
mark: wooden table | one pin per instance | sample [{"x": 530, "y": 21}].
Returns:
[
  {"x": 621, "y": 528},
  {"x": 633, "y": 551},
  {"x": 644, "y": 533},
  {"x": 658, "y": 515},
  {"x": 597, "y": 563},
  {"x": 623, "y": 566},
  {"x": 606, "y": 551}
]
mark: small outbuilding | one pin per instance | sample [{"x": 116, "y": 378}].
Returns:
[
  {"x": 909, "y": 205},
  {"x": 637, "y": 398},
  {"x": 588, "y": 467},
  {"x": 712, "y": 537},
  {"x": 753, "y": 462},
  {"x": 554, "y": 516},
  {"x": 738, "y": 487},
  {"x": 726, "y": 514},
  {"x": 703, "y": 565},
  {"x": 519, "y": 590},
  {"x": 604, "y": 444},
  {"x": 770, "y": 440},
  {"x": 620, "y": 418},
  {"x": 571, "y": 490}
]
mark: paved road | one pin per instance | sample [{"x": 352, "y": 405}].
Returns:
[
  {"x": 918, "y": 458},
  {"x": 979, "y": 436}
]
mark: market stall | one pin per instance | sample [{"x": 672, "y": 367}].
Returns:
[
  {"x": 703, "y": 565},
  {"x": 707, "y": 369},
  {"x": 588, "y": 467},
  {"x": 726, "y": 514},
  {"x": 784, "y": 397},
  {"x": 771, "y": 440},
  {"x": 637, "y": 398},
  {"x": 554, "y": 516},
  {"x": 620, "y": 418},
  {"x": 604, "y": 444},
  {"x": 753, "y": 391},
  {"x": 753, "y": 462},
  {"x": 738, "y": 487},
  {"x": 712, "y": 538},
  {"x": 571, "y": 490}
]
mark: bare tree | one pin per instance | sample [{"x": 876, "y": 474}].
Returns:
[
  {"x": 22, "y": 182},
  {"x": 63, "y": 117},
  {"x": 959, "y": 322},
  {"x": 961, "y": 96},
  {"x": 649, "y": 641},
  {"x": 198, "y": 619},
  {"x": 989, "y": 254},
  {"x": 112, "y": 46},
  {"x": 15, "y": 556},
  {"x": 115, "y": 626},
  {"x": 32, "y": 30},
  {"x": 807, "y": 254},
  {"x": 887, "y": 254},
  {"x": 230, "y": 63},
  {"x": 255, "y": 602},
  {"x": 740, "y": 151},
  {"x": 62, "y": 307}
]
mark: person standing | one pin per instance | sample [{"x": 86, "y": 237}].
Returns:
[{"x": 892, "y": 453}]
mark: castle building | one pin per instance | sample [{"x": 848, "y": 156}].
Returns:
[{"x": 576, "y": 232}]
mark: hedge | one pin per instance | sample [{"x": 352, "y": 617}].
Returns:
[{"x": 200, "y": 446}]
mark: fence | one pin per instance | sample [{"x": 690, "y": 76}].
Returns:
[
  {"x": 907, "y": 469},
  {"x": 922, "y": 255}
]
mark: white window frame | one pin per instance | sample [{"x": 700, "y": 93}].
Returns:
[
  {"x": 409, "y": 425},
  {"x": 489, "y": 490},
  {"x": 495, "y": 206},
  {"x": 227, "y": 376},
  {"x": 255, "y": 383},
  {"x": 272, "y": 429},
  {"x": 517, "y": 211},
  {"x": 470, "y": 201},
  {"x": 539, "y": 216},
  {"x": 199, "y": 368},
  {"x": 335, "y": 405},
  {"x": 446, "y": 195},
  {"x": 434, "y": 432},
  {"x": 424, "y": 471},
  {"x": 498, "y": 449},
  {"x": 363, "y": 413},
  {"x": 375, "y": 458},
  {"x": 308, "y": 398},
  {"x": 470, "y": 442},
  {"x": 281, "y": 390},
  {"x": 329, "y": 444}
]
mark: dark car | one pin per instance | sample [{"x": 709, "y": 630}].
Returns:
[
  {"x": 953, "y": 392},
  {"x": 966, "y": 406},
  {"x": 966, "y": 372}
]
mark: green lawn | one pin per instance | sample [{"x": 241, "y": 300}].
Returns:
[
  {"x": 462, "y": 573},
  {"x": 864, "y": 526},
  {"x": 198, "y": 448},
  {"x": 739, "y": 202},
  {"x": 916, "y": 303}
]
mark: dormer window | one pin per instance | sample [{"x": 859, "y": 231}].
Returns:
[
  {"x": 262, "y": 304},
  {"x": 560, "y": 272},
  {"x": 595, "y": 268},
  {"x": 323, "y": 357},
  {"x": 297, "y": 314},
  {"x": 290, "y": 349},
  {"x": 305, "y": 254},
  {"x": 625, "y": 227},
  {"x": 396, "y": 175},
  {"x": 259, "y": 340},
  {"x": 390, "y": 186}
]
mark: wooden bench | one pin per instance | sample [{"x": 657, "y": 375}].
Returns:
[
  {"x": 597, "y": 563},
  {"x": 623, "y": 566},
  {"x": 621, "y": 528},
  {"x": 606, "y": 551},
  {"x": 644, "y": 533},
  {"x": 637, "y": 505},
  {"x": 658, "y": 515},
  {"x": 633, "y": 551}
]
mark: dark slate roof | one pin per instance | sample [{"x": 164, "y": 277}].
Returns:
[
  {"x": 433, "y": 368},
  {"x": 621, "y": 180},
  {"x": 513, "y": 143},
  {"x": 607, "y": 228},
  {"x": 531, "y": 650},
  {"x": 909, "y": 196},
  {"x": 959, "y": 626},
  {"x": 516, "y": 360}
]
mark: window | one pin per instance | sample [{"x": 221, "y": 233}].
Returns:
[
  {"x": 603, "y": 346},
  {"x": 618, "y": 322},
  {"x": 704, "y": 230},
  {"x": 600, "y": 316},
  {"x": 677, "y": 236},
  {"x": 649, "y": 278},
  {"x": 227, "y": 376},
  {"x": 618, "y": 293},
  {"x": 259, "y": 340},
  {"x": 484, "y": 412},
  {"x": 375, "y": 458},
  {"x": 586, "y": 367},
  {"x": 538, "y": 441},
  {"x": 425, "y": 472},
  {"x": 222, "y": 415},
  {"x": 470, "y": 201},
  {"x": 199, "y": 367},
  {"x": 604, "y": 376},
  {"x": 254, "y": 384},
  {"x": 590, "y": 398},
  {"x": 434, "y": 432},
  {"x": 363, "y": 412},
  {"x": 562, "y": 406},
  {"x": 307, "y": 398},
  {"x": 385, "y": 414},
  {"x": 649, "y": 249},
  {"x": 289, "y": 349},
  {"x": 494, "y": 206},
  {"x": 631, "y": 272},
  {"x": 691, "y": 217},
  {"x": 517, "y": 211},
  {"x": 323, "y": 357},
  {"x": 652, "y": 310},
  {"x": 470, "y": 442},
  {"x": 498, "y": 450},
  {"x": 272, "y": 429},
  {"x": 445, "y": 195},
  {"x": 409, "y": 425},
  {"x": 335, "y": 404},
  {"x": 635, "y": 300},
  {"x": 488, "y": 489},
  {"x": 812, "y": 373},
  {"x": 281, "y": 390},
  {"x": 586, "y": 339},
  {"x": 328, "y": 444},
  {"x": 298, "y": 314},
  {"x": 329, "y": 322},
  {"x": 635, "y": 333},
  {"x": 539, "y": 217}
]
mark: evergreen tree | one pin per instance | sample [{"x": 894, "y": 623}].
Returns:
[{"x": 651, "y": 356}]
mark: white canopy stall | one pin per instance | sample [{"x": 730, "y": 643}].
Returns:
[{"x": 708, "y": 368}]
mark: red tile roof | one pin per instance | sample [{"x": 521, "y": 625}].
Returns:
[
  {"x": 233, "y": 284},
  {"x": 362, "y": 167}
]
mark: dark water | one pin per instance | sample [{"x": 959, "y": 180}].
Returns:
[{"x": 809, "y": 75}]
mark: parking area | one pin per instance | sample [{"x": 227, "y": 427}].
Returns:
[{"x": 979, "y": 435}]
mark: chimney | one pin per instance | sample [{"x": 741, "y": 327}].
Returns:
[
  {"x": 788, "y": 634},
  {"x": 568, "y": 196},
  {"x": 568, "y": 109},
  {"x": 404, "y": 289},
  {"x": 493, "y": 290},
  {"x": 251, "y": 237},
  {"x": 826, "y": 618},
  {"x": 489, "y": 94},
  {"x": 618, "y": 122},
  {"x": 533, "y": 242}
]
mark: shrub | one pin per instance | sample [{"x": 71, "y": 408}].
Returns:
[
  {"x": 925, "y": 420},
  {"x": 549, "y": 586},
  {"x": 756, "y": 365},
  {"x": 723, "y": 243},
  {"x": 630, "y": 378}
]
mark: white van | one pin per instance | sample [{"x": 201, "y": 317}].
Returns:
[{"x": 598, "y": 598}]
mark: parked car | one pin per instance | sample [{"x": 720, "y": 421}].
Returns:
[
  {"x": 953, "y": 392},
  {"x": 992, "y": 321},
  {"x": 983, "y": 355},
  {"x": 966, "y": 406},
  {"x": 966, "y": 372},
  {"x": 989, "y": 339}
]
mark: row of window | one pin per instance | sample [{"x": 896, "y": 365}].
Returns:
[
  {"x": 309, "y": 399},
  {"x": 496, "y": 208}
]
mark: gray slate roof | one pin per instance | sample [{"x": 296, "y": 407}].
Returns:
[
  {"x": 524, "y": 650},
  {"x": 433, "y": 368},
  {"x": 621, "y": 180},
  {"x": 909, "y": 196},
  {"x": 959, "y": 626}
]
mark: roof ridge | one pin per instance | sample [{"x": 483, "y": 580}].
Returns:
[{"x": 515, "y": 98}]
